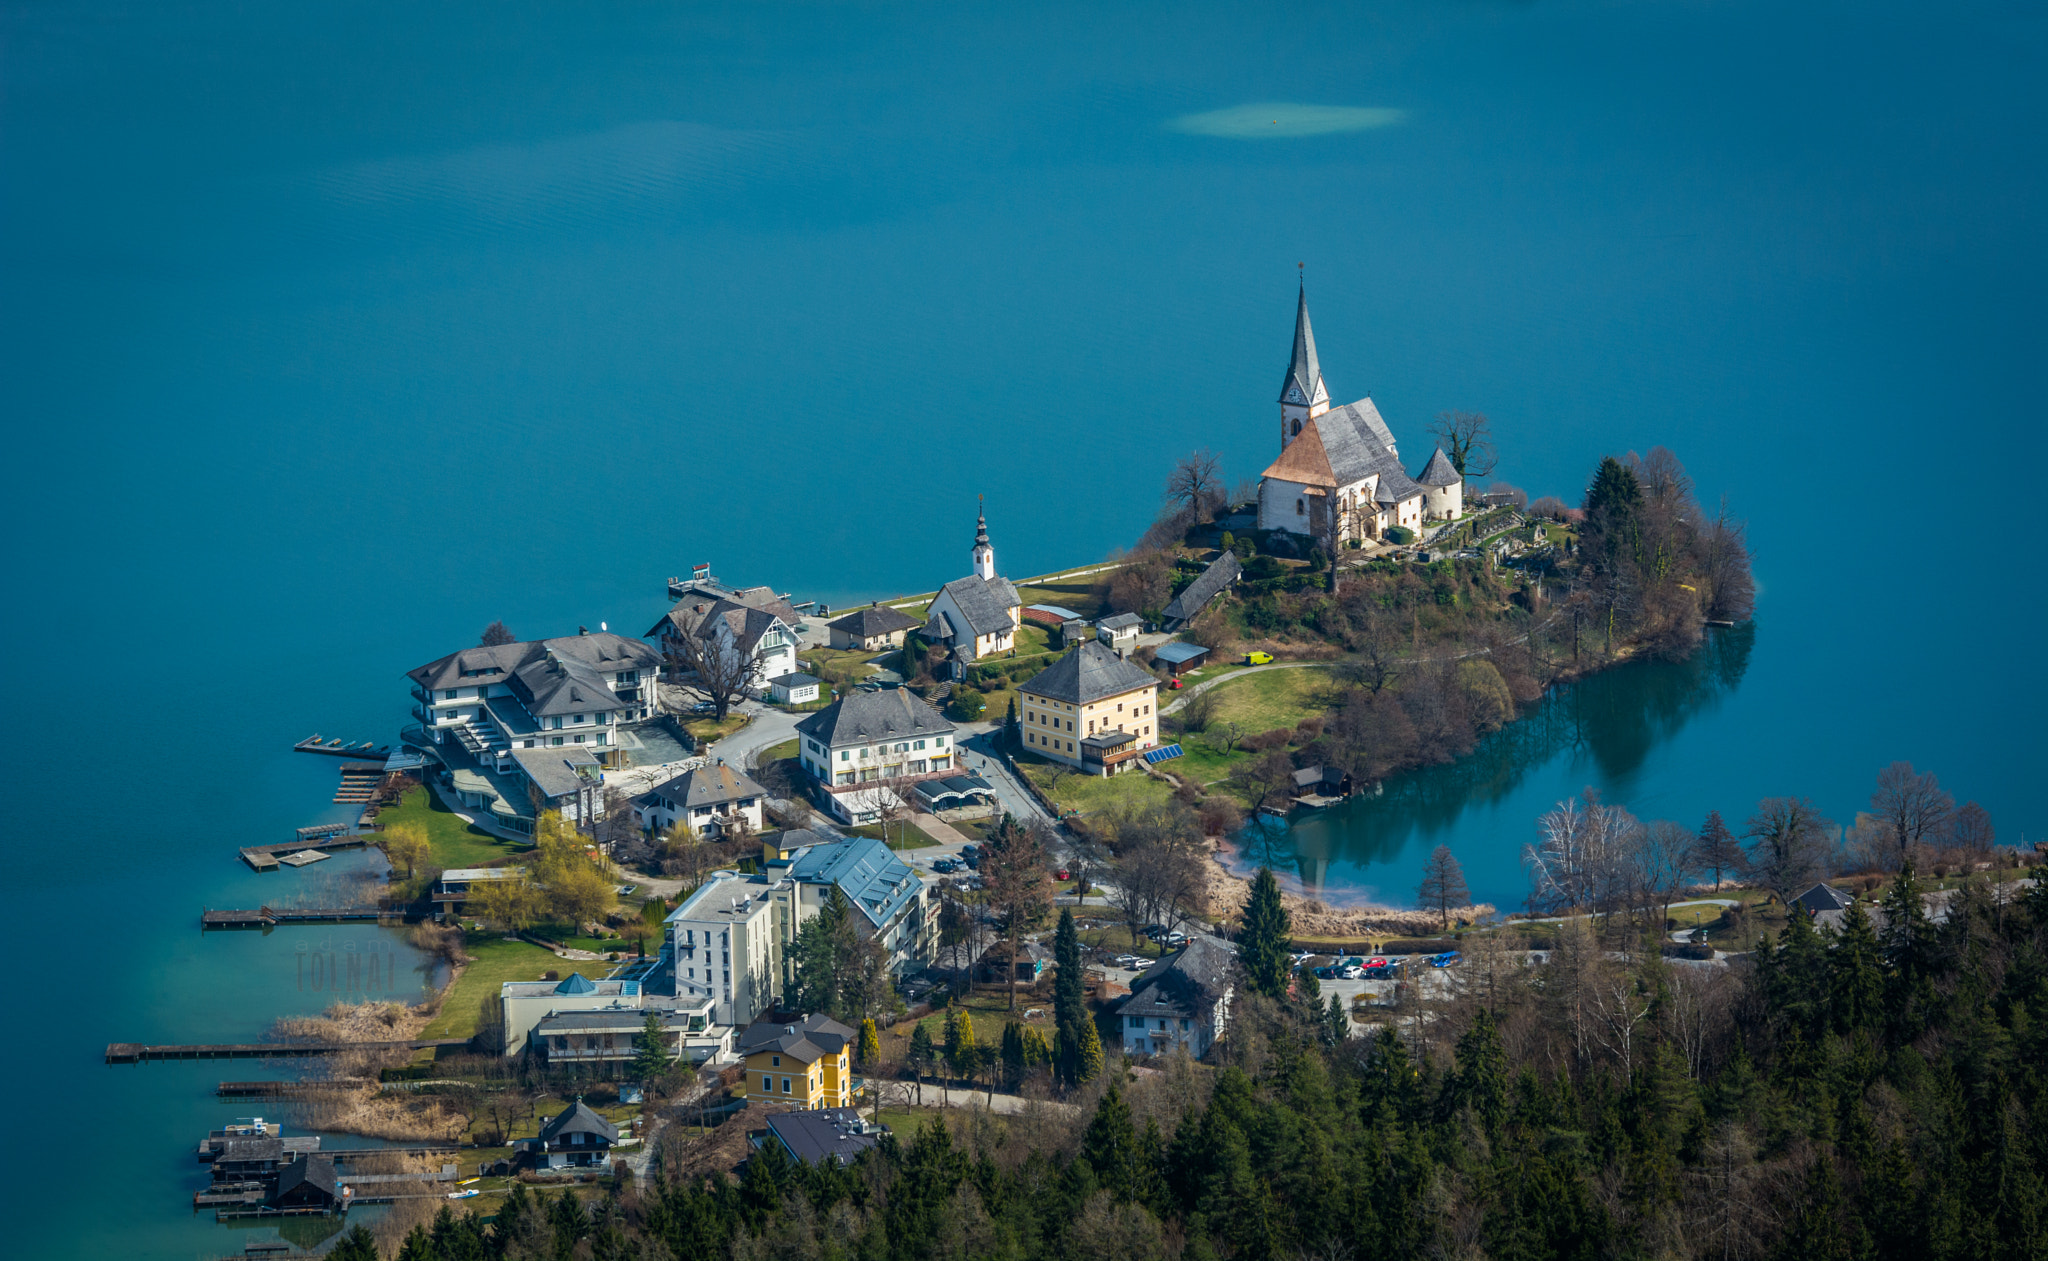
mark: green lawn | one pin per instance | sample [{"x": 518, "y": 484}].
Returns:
[
  {"x": 1090, "y": 793},
  {"x": 1119, "y": 938},
  {"x": 456, "y": 843},
  {"x": 904, "y": 835},
  {"x": 787, "y": 749},
  {"x": 1087, "y": 595},
  {"x": 497, "y": 961},
  {"x": 707, "y": 729},
  {"x": 1275, "y": 698}
]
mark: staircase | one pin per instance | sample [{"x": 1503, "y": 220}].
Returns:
[{"x": 482, "y": 740}]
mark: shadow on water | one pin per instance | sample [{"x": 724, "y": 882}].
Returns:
[{"x": 1611, "y": 721}]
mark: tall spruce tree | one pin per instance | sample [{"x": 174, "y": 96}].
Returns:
[
  {"x": 1716, "y": 849},
  {"x": 1262, "y": 944},
  {"x": 1069, "y": 999},
  {"x": 650, "y": 1050},
  {"x": 1110, "y": 1145}
]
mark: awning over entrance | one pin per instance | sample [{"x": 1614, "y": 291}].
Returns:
[{"x": 955, "y": 790}]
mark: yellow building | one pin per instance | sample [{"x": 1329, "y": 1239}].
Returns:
[
  {"x": 807, "y": 1063},
  {"x": 1091, "y": 709}
]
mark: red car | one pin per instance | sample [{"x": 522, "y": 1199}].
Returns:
[
  {"x": 1061, "y": 874},
  {"x": 1173, "y": 685}
]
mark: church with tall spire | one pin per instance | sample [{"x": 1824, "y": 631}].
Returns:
[
  {"x": 1339, "y": 477},
  {"x": 979, "y": 615}
]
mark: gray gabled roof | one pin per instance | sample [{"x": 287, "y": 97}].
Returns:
[
  {"x": 815, "y": 1135},
  {"x": 807, "y": 1039},
  {"x": 555, "y": 684},
  {"x": 984, "y": 602},
  {"x": 1439, "y": 471},
  {"x": 1823, "y": 897},
  {"x": 1120, "y": 621},
  {"x": 1221, "y": 572},
  {"x": 1186, "y": 985},
  {"x": 877, "y": 619},
  {"x": 579, "y": 1119},
  {"x": 708, "y": 786},
  {"x": 746, "y": 625},
  {"x": 314, "y": 1171},
  {"x": 1304, "y": 380},
  {"x": 601, "y": 651},
  {"x": 868, "y": 716},
  {"x": 1087, "y": 674}
]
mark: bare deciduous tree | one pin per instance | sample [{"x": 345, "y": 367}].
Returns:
[
  {"x": 1912, "y": 805},
  {"x": 1789, "y": 844},
  {"x": 1443, "y": 884},
  {"x": 1015, "y": 868},
  {"x": 496, "y": 634},
  {"x": 719, "y": 666},
  {"x": 1196, "y": 484},
  {"x": 1467, "y": 438}
]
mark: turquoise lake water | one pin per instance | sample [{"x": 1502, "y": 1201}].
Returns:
[{"x": 333, "y": 332}]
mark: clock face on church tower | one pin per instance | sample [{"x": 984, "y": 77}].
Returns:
[{"x": 1294, "y": 394}]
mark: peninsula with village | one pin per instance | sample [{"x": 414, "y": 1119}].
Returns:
[{"x": 772, "y": 882}]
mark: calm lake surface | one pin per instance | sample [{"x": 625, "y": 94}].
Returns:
[{"x": 333, "y": 332}]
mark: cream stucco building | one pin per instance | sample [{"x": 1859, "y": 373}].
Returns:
[
  {"x": 1091, "y": 709},
  {"x": 1339, "y": 473}
]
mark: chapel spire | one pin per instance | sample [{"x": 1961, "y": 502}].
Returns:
[
  {"x": 984, "y": 553},
  {"x": 1302, "y": 393}
]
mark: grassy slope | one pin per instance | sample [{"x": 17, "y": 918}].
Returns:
[
  {"x": 1276, "y": 698},
  {"x": 497, "y": 961},
  {"x": 455, "y": 842},
  {"x": 1087, "y": 793}
]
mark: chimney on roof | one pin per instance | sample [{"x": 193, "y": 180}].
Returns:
[{"x": 583, "y": 630}]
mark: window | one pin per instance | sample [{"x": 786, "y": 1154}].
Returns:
[
  {"x": 579, "y": 737},
  {"x": 557, "y": 724},
  {"x": 556, "y": 742},
  {"x": 845, "y": 756},
  {"x": 767, "y": 1084},
  {"x": 939, "y": 742},
  {"x": 1300, "y": 506},
  {"x": 449, "y": 695},
  {"x": 777, "y": 1061},
  {"x": 785, "y": 1086},
  {"x": 1137, "y": 1022},
  {"x": 920, "y": 744},
  {"x": 576, "y": 718}
]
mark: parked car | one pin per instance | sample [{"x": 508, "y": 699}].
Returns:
[
  {"x": 1378, "y": 963},
  {"x": 1444, "y": 960},
  {"x": 1351, "y": 972},
  {"x": 1062, "y": 874},
  {"x": 970, "y": 848},
  {"x": 973, "y": 861},
  {"x": 703, "y": 707},
  {"x": 1351, "y": 961},
  {"x": 1176, "y": 938},
  {"x": 1326, "y": 973},
  {"x": 1258, "y": 658},
  {"x": 945, "y": 865}
]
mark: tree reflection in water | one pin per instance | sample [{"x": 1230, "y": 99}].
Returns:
[{"x": 1610, "y": 723}]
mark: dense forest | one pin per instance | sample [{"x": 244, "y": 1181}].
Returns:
[{"x": 1876, "y": 1092}]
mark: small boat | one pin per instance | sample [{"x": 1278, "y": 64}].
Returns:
[
  {"x": 466, "y": 1181},
  {"x": 463, "y": 1195}
]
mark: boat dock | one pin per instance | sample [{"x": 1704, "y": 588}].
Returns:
[
  {"x": 335, "y": 748},
  {"x": 267, "y": 916},
  {"x": 265, "y": 857},
  {"x": 288, "y": 1089},
  {"x": 138, "y": 1052}
]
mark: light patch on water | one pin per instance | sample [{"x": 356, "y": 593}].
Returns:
[{"x": 1286, "y": 119}]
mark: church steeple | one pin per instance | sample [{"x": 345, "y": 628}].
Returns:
[
  {"x": 984, "y": 554},
  {"x": 1302, "y": 393}
]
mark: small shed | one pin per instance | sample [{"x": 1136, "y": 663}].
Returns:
[
  {"x": 1322, "y": 781},
  {"x": 1072, "y": 631},
  {"x": 1179, "y": 658},
  {"x": 793, "y": 689},
  {"x": 1119, "y": 631}
]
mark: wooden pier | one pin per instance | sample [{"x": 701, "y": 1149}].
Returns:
[
  {"x": 264, "y": 857},
  {"x": 335, "y": 748},
  {"x": 289, "y": 1089},
  {"x": 267, "y": 916},
  {"x": 137, "y": 1052},
  {"x": 321, "y": 831}
]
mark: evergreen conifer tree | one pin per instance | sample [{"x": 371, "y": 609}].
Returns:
[
  {"x": 920, "y": 1055},
  {"x": 870, "y": 1048},
  {"x": 1088, "y": 1064},
  {"x": 1262, "y": 945},
  {"x": 1337, "y": 1025},
  {"x": 1011, "y": 738},
  {"x": 650, "y": 1050},
  {"x": 357, "y": 1245},
  {"x": 1069, "y": 1000},
  {"x": 1716, "y": 849},
  {"x": 1111, "y": 1144}
]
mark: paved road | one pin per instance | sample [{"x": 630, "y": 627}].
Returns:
[{"x": 766, "y": 727}]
